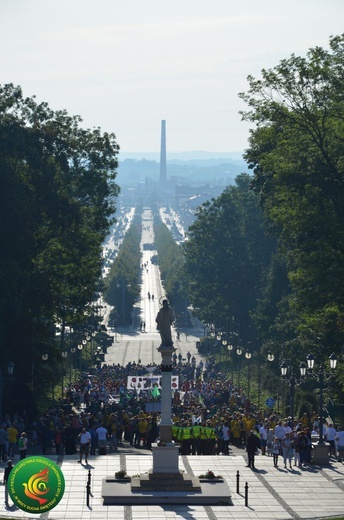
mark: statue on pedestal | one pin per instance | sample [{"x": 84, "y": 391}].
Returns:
[{"x": 164, "y": 320}]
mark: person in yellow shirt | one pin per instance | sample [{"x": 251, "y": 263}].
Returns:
[
  {"x": 12, "y": 433},
  {"x": 235, "y": 428},
  {"x": 304, "y": 421},
  {"x": 142, "y": 431}
]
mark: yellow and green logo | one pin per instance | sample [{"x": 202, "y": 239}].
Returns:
[{"x": 36, "y": 484}]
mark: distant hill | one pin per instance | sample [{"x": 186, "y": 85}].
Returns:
[
  {"x": 183, "y": 167},
  {"x": 182, "y": 156}
]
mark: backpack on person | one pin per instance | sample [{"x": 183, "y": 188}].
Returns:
[{"x": 21, "y": 443}]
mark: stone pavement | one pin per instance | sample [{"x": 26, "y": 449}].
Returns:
[{"x": 273, "y": 493}]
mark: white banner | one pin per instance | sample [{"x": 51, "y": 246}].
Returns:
[{"x": 148, "y": 382}]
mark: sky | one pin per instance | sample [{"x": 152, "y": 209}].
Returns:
[{"x": 124, "y": 65}]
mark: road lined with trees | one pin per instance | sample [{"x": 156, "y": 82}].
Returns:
[{"x": 261, "y": 266}]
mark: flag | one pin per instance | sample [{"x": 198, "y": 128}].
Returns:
[{"x": 155, "y": 391}]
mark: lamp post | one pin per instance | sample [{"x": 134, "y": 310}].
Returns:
[
  {"x": 239, "y": 352},
  {"x": 72, "y": 351},
  {"x": 80, "y": 347},
  {"x": 321, "y": 376},
  {"x": 64, "y": 355},
  {"x": 230, "y": 349},
  {"x": 307, "y": 370},
  {"x": 270, "y": 357},
  {"x": 288, "y": 374},
  {"x": 10, "y": 369},
  {"x": 248, "y": 356},
  {"x": 224, "y": 344}
]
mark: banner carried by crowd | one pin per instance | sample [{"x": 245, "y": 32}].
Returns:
[{"x": 149, "y": 382}]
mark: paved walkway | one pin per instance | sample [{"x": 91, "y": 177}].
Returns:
[{"x": 273, "y": 493}]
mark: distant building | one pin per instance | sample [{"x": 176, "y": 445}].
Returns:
[{"x": 163, "y": 152}]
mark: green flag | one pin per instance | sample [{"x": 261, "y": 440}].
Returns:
[{"x": 155, "y": 391}]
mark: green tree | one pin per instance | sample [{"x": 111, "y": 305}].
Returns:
[
  {"x": 296, "y": 152},
  {"x": 58, "y": 190},
  {"x": 227, "y": 256},
  {"x": 171, "y": 264},
  {"x": 122, "y": 284}
]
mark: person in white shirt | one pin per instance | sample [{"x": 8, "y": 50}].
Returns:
[
  {"x": 101, "y": 433},
  {"x": 264, "y": 437},
  {"x": 330, "y": 437},
  {"x": 280, "y": 431},
  {"x": 225, "y": 434},
  {"x": 340, "y": 443},
  {"x": 287, "y": 428},
  {"x": 85, "y": 441}
]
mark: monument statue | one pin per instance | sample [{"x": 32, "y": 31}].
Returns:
[{"x": 164, "y": 320}]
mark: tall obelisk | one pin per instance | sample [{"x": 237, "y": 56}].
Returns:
[{"x": 163, "y": 152}]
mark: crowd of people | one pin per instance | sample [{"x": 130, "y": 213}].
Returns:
[{"x": 209, "y": 415}]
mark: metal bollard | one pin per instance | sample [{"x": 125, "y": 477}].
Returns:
[
  {"x": 246, "y": 495},
  {"x": 88, "y": 488},
  {"x": 238, "y": 481}
]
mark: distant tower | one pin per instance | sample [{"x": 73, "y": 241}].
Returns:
[{"x": 163, "y": 152}]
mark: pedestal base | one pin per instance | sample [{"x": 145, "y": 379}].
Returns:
[
  {"x": 171, "y": 482},
  {"x": 321, "y": 453},
  {"x": 165, "y": 458},
  {"x": 161, "y": 489}
]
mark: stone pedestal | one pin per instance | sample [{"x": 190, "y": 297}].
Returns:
[
  {"x": 166, "y": 454},
  {"x": 168, "y": 482},
  {"x": 165, "y": 429},
  {"x": 321, "y": 453},
  {"x": 165, "y": 458}
]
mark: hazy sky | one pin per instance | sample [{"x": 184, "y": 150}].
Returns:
[{"x": 125, "y": 65}]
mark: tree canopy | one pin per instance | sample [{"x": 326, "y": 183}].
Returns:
[
  {"x": 296, "y": 153},
  {"x": 227, "y": 256},
  {"x": 58, "y": 192}
]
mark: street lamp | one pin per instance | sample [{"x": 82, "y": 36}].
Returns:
[
  {"x": 230, "y": 349},
  {"x": 64, "y": 355},
  {"x": 72, "y": 361},
  {"x": 288, "y": 374},
  {"x": 224, "y": 344},
  {"x": 321, "y": 376},
  {"x": 239, "y": 352},
  {"x": 248, "y": 356}
]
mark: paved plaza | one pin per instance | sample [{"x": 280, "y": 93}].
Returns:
[{"x": 273, "y": 493}]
